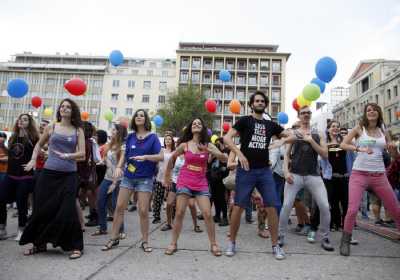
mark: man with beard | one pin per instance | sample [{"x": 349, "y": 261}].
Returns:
[{"x": 254, "y": 171}]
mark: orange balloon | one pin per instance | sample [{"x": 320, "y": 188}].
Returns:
[
  {"x": 84, "y": 116},
  {"x": 398, "y": 114},
  {"x": 234, "y": 106}
]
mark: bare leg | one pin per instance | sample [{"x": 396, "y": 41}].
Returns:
[
  {"x": 144, "y": 204},
  {"x": 235, "y": 221},
  {"x": 181, "y": 204},
  {"x": 122, "y": 203}
]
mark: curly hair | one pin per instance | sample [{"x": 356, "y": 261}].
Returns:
[
  {"x": 32, "y": 131},
  {"x": 75, "y": 113},
  {"x": 188, "y": 134},
  {"x": 364, "y": 120},
  {"x": 147, "y": 123}
]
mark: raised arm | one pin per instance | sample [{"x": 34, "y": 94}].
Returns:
[
  {"x": 217, "y": 153},
  {"x": 347, "y": 143}
]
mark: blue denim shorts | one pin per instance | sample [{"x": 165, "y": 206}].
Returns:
[
  {"x": 138, "y": 185},
  {"x": 191, "y": 193},
  {"x": 259, "y": 178}
]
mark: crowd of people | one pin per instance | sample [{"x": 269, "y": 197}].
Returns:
[{"x": 53, "y": 172}]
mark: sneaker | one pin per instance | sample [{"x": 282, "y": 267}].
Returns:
[
  {"x": 326, "y": 245},
  {"x": 156, "y": 221},
  {"x": 122, "y": 235},
  {"x": 133, "y": 208},
  {"x": 14, "y": 215},
  {"x": 281, "y": 241},
  {"x": 299, "y": 227},
  {"x": 200, "y": 217},
  {"x": 166, "y": 227},
  {"x": 3, "y": 232},
  {"x": 110, "y": 219},
  {"x": 353, "y": 241},
  {"x": 278, "y": 252},
  {"x": 305, "y": 230},
  {"x": 311, "y": 236},
  {"x": 379, "y": 222},
  {"x": 231, "y": 251},
  {"x": 19, "y": 234},
  {"x": 92, "y": 223}
]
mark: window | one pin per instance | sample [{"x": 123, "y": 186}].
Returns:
[
  {"x": 276, "y": 95},
  {"x": 114, "y": 96},
  {"x": 240, "y": 94},
  {"x": 150, "y": 72},
  {"x": 389, "y": 115},
  {"x": 184, "y": 76},
  {"x": 114, "y": 110},
  {"x": 230, "y": 64},
  {"x": 135, "y": 72},
  {"x": 131, "y": 84},
  {"x": 161, "y": 99},
  {"x": 217, "y": 93},
  {"x": 97, "y": 83},
  {"x": 241, "y": 79},
  {"x": 207, "y": 64},
  {"x": 276, "y": 66},
  {"x": 163, "y": 85},
  {"x": 365, "y": 84},
  {"x": 128, "y": 111},
  {"x": 207, "y": 78},
  {"x": 184, "y": 62},
  {"x": 275, "y": 108},
  {"x": 228, "y": 94},
  {"x": 264, "y": 65},
  {"x": 252, "y": 80},
  {"x": 196, "y": 62},
  {"x": 395, "y": 91},
  {"x": 51, "y": 81},
  {"x": 153, "y": 64},
  {"x": 207, "y": 92},
  {"x": 242, "y": 64},
  {"x": 264, "y": 80},
  {"x": 253, "y": 65},
  {"x": 389, "y": 94},
  {"x": 276, "y": 80},
  {"x": 129, "y": 97},
  {"x": 377, "y": 99},
  {"x": 219, "y": 64},
  {"x": 195, "y": 77},
  {"x": 145, "y": 98},
  {"x": 147, "y": 84},
  {"x": 164, "y": 73},
  {"x": 115, "y": 83}
]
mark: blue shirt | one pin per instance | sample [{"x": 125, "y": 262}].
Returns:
[{"x": 139, "y": 147}]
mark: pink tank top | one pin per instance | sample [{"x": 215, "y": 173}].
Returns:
[{"x": 193, "y": 173}]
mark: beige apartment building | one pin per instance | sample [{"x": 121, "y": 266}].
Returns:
[
  {"x": 375, "y": 80},
  {"x": 137, "y": 84},
  {"x": 46, "y": 76},
  {"x": 252, "y": 67}
]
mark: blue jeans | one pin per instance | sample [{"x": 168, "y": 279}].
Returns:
[
  {"x": 279, "y": 185},
  {"x": 102, "y": 203}
]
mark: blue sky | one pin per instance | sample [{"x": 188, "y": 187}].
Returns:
[{"x": 348, "y": 31}]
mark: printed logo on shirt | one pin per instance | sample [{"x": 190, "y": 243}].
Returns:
[
  {"x": 133, "y": 147},
  {"x": 258, "y": 140},
  {"x": 69, "y": 139},
  {"x": 131, "y": 168},
  {"x": 194, "y": 168}
]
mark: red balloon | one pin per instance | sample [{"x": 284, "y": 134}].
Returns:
[
  {"x": 36, "y": 101},
  {"x": 211, "y": 106},
  {"x": 226, "y": 127},
  {"x": 75, "y": 86},
  {"x": 295, "y": 105}
]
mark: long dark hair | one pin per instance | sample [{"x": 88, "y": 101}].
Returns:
[
  {"x": 75, "y": 113},
  {"x": 339, "y": 138},
  {"x": 147, "y": 123},
  {"x": 88, "y": 129},
  {"x": 364, "y": 120},
  {"x": 173, "y": 142},
  {"x": 31, "y": 131},
  {"x": 188, "y": 135}
]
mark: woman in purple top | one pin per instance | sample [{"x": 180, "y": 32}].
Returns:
[
  {"x": 192, "y": 181},
  {"x": 55, "y": 218},
  {"x": 138, "y": 167}
]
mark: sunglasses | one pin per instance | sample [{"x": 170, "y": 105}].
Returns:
[{"x": 306, "y": 112}]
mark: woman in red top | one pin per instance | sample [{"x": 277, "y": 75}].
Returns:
[{"x": 192, "y": 181}]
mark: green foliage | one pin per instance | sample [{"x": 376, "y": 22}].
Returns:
[{"x": 181, "y": 107}]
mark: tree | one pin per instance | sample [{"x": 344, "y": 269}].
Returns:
[{"x": 181, "y": 107}]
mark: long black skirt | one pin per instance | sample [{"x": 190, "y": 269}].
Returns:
[{"x": 55, "y": 219}]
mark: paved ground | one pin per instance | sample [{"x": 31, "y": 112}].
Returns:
[{"x": 374, "y": 258}]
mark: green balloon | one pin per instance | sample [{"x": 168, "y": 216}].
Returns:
[
  {"x": 108, "y": 115},
  {"x": 153, "y": 126},
  {"x": 311, "y": 92}
]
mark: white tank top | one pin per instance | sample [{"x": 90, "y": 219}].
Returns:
[{"x": 370, "y": 162}]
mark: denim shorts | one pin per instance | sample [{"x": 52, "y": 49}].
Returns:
[
  {"x": 259, "y": 178},
  {"x": 191, "y": 193},
  {"x": 138, "y": 185}
]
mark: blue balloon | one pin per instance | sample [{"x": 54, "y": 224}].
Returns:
[
  {"x": 283, "y": 118},
  {"x": 224, "y": 75},
  {"x": 158, "y": 120},
  {"x": 319, "y": 83},
  {"x": 17, "y": 88},
  {"x": 116, "y": 57},
  {"x": 326, "y": 69}
]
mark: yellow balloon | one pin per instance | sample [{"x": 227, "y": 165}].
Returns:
[
  {"x": 214, "y": 138},
  {"x": 302, "y": 101},
  {"x": 48, "y": 112}
]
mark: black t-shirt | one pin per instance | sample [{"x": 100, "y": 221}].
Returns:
[
  {"x": 255, "y": 136},
  {"x": 19, "y": 153}
]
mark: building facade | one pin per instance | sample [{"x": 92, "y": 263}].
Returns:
[
  {"x": 376, "y": 81},
  {"x": 46, "y": 76},
  {"x": 137, "y": 84},
  {"x": 252, "y": 67}
]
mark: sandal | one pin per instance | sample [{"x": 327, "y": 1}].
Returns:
[
  {"x": 166, "y": 227},
  {"x": 215, "y": 250},
  {"x": 197, "y": 229},
  {"x": 35, "y": 250},
  {"x": 99, "y": 232},
  {"x": 110, "y": 244},
  {"x": 171, "y": 249},
  {"x": 122, "y": 235},
  {"x": 263, "y": 233},
  {"x": 76, "y": 254},
  {"x": 145, "y": 247}
]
